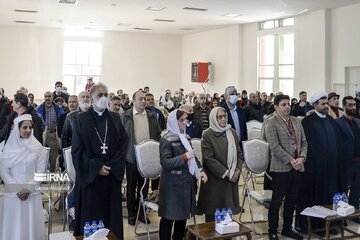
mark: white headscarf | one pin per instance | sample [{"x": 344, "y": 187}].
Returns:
[
  {"x": 167, "y": 104},
  {"x": 232, "y": 150},
  {"x": 173, "y": 126},
  {"x": 16, "y": 148}
]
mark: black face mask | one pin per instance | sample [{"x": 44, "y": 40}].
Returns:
[{"x": 190, "y": 117}]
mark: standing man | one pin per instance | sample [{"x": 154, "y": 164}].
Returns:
[
  {"x": 59, "y": 92},
  {"x": 334, "y": 111},
  {"x": 99, "y": 143},
  {"x": 89, "y": 84},
  {"x": 357, "y": 100},
  {"x": 288, "y": 148},
  {"x": 350, "y": 138},
  {"x": 150, "y": 104},
  {"x": 50, "y": 113},
  {"x": 236, "y": 115},
  {"x": 193, "y": 127},
  {"x": 141, "y": 124},
  {"x": 115, "y": 105},
  {"x": 301, "y": 106},
  {"x": 254, "y": 110},
  {"x": 202, "y": 111},
  {"x": 323, "y": 167}
]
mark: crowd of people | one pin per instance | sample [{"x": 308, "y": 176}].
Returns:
[{"x": 314, "y": 146}]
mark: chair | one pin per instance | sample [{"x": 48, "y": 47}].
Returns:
[
  {"x": 48, "y": 196},
  {"x": 256, "y": 159},
  {"x": 70, "y": 171},
  {"x": 148, "y": 163},
  {"x": 253, "y": 124},
  {"x": 254, "y": 133}
]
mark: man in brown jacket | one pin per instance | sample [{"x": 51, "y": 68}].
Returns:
[{"x": 288, "y": 148}]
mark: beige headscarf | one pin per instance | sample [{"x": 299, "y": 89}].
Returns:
[{"x": 232, "y": 150}]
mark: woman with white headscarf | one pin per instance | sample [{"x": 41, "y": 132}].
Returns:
[
  {"x": 222, "y": 161},
  {"x": 179, "y": 166},
  {"x": 22, "y": 156}
]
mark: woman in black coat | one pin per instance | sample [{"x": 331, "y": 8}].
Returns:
[{"x": 177, "y": 190}]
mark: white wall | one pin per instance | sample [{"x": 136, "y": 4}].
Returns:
[
  {"x": 30, "y": 57},
  {"x": 33, "y": 57},
  {"x": 132, "y": 61},
  {"x": 221, "y": 47},
  {"x": 345, "y": 40}
]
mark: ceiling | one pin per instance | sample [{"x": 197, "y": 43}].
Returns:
[{"x": 125, "y": 15}]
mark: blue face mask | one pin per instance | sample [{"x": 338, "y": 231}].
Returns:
[{"x": 233, "y": 99}]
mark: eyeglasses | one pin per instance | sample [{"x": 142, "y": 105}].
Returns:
[
  {"x": 100, "y": 95},
  {"x": 221, "y": 116}
]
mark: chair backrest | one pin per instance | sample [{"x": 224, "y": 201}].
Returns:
[
  {"x": 253, "y": 124},
  {"x": 69, "y": 166},
  {"x": 47, "y": 157},
  {"x": 196, "y": 145},
  {"x": 254, "y": 133},
  {"x": 148, "y": 159},
  {"x": 256, "y": 155}
]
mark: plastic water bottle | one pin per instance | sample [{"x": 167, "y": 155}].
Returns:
[
  {"x": 223, "y": 214},
  {"x": 94, "y": 227},
  {"x": 101, "y": 224},
  {"x": 344, "y": 197},
  {"x": 336, "y": 200},
  {"x": 230, "y": 213},
  {"x": 87, "y": 229},
  {"x": 217, "y": 216}
]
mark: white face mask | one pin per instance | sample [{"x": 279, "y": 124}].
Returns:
[
  {"x": 58, "y": 89},
  {"x": 233, "y": 99},
  {"x": 64, "y": 91},
  {"x": 102, "y": 103}
]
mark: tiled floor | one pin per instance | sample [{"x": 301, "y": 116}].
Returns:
[{"x": 259, "y": 212}]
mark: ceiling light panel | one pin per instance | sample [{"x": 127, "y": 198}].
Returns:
[
  {"x": 164, "y": 20},
  {"x": 19, "y": 21},
  {"x": 195, "y": 9},
  {"x": 68, "y": 1},
  {"x": 156, "y": 9},
  {"x": 140, "y": 28},
  {"x": 232, "y": 15},
  {"x": 25, "y": 11}
]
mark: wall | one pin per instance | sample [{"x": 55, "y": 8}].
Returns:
[
  {"x": 345, "y": 39},
  {"x": 33, "y": 57},
  {"x": 30, "y": 57},
  {"x": 221, "y": 47}
]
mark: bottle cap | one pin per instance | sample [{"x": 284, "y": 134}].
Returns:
[
  {"x": 87, "y": 222},
  {"x": 94, "y": 221}
]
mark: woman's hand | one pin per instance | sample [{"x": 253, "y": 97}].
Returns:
[
  {"x": 235, "y": 176},
  {"x": 203, "y": 177},
  {"x": 23, "y": 194},
  {"x": 190, "y": 154}
]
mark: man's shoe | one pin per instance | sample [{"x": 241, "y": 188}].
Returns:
[
  {"x": 142, "y": 219},
  {"x": 131, "y": 221},
  {"x": 273, "y": 237},
  {"x": 292, "y": 234}
]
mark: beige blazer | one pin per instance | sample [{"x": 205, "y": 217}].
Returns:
[{"x": 281, "y": 147}]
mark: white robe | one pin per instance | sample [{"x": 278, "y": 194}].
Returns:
[
  {"x": 23, "y": 219},
  {"x": 19, "y": 160}
]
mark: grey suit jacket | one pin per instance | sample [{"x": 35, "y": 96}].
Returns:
[{"x": 279, "y": 139}]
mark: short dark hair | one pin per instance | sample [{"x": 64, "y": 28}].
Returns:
[
  {"x": 149, "y": 95},
  {"x": 22, "y": 99},
  {"x": 31, "y": 94},
  {"x": 146, "y": 87},
  {"x": 133, "y": 97},
  {"x": 179, "y": 113},
  {"x": 302, "y": 92},
  {"x": 3, "y": 90},
  {"x": 278, "y": 99},
  {"x": 115, "y": 98},
  {"x": 58, "y": 82},
  {"x": 345, "y": 99}
]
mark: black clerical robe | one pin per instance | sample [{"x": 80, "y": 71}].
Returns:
[
  {"x": 323, "y": 175},
  {"x": 98, "y": 197}
]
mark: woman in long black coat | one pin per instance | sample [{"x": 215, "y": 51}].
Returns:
[{"x": 179, "y": 166}]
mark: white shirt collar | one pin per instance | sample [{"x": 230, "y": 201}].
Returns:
[
  {"x": 99, "y": 113},
  {"x": 320, "y": 114},
  {"x": 136, "y": 112}
]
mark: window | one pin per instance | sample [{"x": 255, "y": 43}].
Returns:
[
  {"x": 276, "y": 63},
  {"x": 81, "y": 60},
  {"x": 276, "y": 23}
]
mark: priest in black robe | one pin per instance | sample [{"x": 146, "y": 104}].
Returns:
[
  {"x": 99, "y": 142},
  {"x": 323, "y": 176}
]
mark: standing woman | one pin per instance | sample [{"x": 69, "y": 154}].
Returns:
[
  {"x": 222, "y": 161},
  {"x": 179, "y": 166},
  {"x": 22, "y": 156}
]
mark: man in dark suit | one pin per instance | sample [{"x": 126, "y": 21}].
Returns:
[
  {"x": 236, "y": 115},
  {"x": 350, "y": 137},
  {"x": 193, "y": 127}
]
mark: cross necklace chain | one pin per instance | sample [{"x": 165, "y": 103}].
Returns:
[{"x": 103, "y": 142}]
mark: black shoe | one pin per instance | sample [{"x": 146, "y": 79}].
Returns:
[
  {"x": 142, "y": 219},
  {"x": 292, "y": 234},
  {"x": 242, "y": 210},
  {"x": 273, "y": 237},
  {"x": 131, "y": 221}
]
